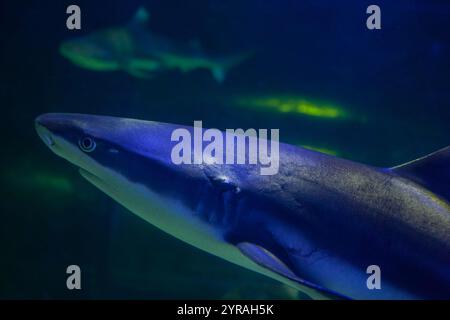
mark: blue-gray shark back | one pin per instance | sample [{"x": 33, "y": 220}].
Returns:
[{"x": 317, "y": 225}]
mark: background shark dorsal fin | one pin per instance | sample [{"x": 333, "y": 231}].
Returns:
[
  {"x": 141, "y": 17},
  {"x": 266, "y": 259},
  {"x": 431, "y": 171}
]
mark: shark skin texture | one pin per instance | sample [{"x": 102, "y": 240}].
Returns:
[{"x": 316, "y": 225}]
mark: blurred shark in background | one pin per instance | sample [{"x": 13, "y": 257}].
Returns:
[
  {"x": 134, "y": 49},
  {"x": 317, "y": 225}
]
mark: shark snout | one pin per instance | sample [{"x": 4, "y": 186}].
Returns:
[{"x": 43, "y": 132}]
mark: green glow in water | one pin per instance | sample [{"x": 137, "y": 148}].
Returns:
[
  {"x": 322, "y": 150},
  {"x": 39, "y": 180},
  {"x": 53, "y": 182},
  {"x": 292, "y": 104}
]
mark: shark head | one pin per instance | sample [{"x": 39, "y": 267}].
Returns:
[
  {"x": 226, "y": 210},
  {"x": 130, "y": 160},
  {"x": 91, "y": 52},
  {"x": 107, "y": 49}
]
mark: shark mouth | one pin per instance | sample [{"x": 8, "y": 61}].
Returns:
[
  {"x": 100, "y": 183},
  {"x": 90, "y": 176}
]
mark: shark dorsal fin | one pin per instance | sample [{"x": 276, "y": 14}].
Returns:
[
  {"x": 431, "y": 171},
  {"x": 141, "y": 17}
]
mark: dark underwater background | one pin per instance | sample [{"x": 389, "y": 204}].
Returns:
[{"x": 393, "y": 85}]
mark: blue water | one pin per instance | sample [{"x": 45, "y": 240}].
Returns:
[{"x": 395, "y": 82}]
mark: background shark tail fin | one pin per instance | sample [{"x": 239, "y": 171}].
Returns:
[
  {"x": 431, "y": 171},
  {"x": 220, "y": 68},
  {"x": 218, "y": 73}
]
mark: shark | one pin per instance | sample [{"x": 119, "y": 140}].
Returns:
[
  {"x": 141, "y": 53},
  {"x": 317, "y": 225}
]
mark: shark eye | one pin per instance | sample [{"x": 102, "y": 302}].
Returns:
[{"x": 87, "y": 144}]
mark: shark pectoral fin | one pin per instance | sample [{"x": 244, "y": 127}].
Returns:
[
  {"x": 265, "y": 258},
  {"x": 431, "y": 171},
  {"x": 269, "y": 261},
  {"x": 140, "y": 68}
]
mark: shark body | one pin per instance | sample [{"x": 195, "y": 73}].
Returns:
[
  {"x": 134, "y": 49},
  {"x": 316, "y": 225}
]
